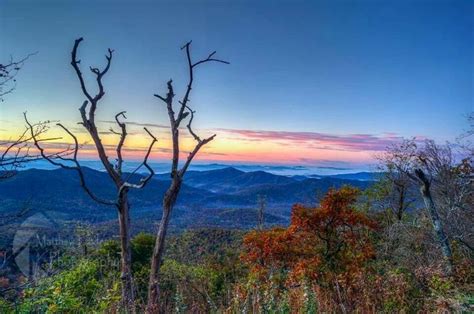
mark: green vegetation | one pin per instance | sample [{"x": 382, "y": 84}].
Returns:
[{"x": 331, "y": 258}]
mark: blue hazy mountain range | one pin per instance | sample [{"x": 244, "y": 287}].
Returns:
[
  {"x": 287, "y": 170},
  {"x": 225, "y": 197},
  {"x": 225, "y": 187}
]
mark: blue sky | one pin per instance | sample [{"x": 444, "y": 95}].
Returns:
[{"x": 403, "y": 68}]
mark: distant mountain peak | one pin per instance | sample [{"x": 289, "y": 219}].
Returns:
[{"x": 229, "y": 169}]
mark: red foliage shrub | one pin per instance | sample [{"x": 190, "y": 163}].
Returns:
[{"x": 327, "y": 247}]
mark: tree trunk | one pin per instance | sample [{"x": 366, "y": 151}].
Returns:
[
  {"x": 401, "y": 203},
  {"x": 436, "y": 221},
  {"x": 128, "y": 293},
  {"x": 169, "y": 200}
]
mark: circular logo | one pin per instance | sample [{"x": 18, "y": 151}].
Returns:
[{"x": 37, "y": 243}]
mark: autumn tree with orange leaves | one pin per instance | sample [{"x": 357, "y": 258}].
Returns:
[
  {"x": 333, "y": 237},
  {"x": 325, "y": 247}
]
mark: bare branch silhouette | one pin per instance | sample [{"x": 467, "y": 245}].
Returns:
[
  {"x": 177, "y": 173},
  {"x": 115, "y": 172},
  {"x": 17, "y": 152},
  {"x": 8, "y": 73}
]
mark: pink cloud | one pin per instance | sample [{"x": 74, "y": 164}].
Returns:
[{"x": 349, "y": 142}]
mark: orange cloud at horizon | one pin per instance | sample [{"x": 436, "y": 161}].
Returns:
[{"x": 275, "y": 147}]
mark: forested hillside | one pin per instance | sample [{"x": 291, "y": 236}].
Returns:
[{"x": 338, "y": 256}]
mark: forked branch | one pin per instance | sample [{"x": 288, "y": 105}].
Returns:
[
  {"x": 185, "y": 111},
  {"x": 200, "y": 142},
  {"x": 53, "y": 159},
  {"x": 88, "y": 116},
  {"x": 151, "y": 172},
  {"x": 172, "y": 193},
  {"x": 99, "y": 74},
  {"x": 191, "y": 67}
]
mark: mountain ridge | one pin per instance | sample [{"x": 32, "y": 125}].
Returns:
[{"x": 203, "y": 198}]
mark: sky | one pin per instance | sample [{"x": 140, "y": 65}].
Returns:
[{"x": 320, "y": 83}]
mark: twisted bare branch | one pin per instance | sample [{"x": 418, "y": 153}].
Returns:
[
  {"x": 88, "y": 116},
  {"x": 52, "y": 159},
  {"x": 172, "y": 193},
  {"x": 123, "y": 135},
  {"x": 185, "y": 111},
  {"x": 15, "y": 153},
  {"x": 191, "y": 67},
  {"x": 151, "y": 173}
]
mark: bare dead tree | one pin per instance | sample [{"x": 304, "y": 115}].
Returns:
[
  {"x": 425, "y": 166},
  {"x": 177, "y": 173},
  {"x": 396, "y": 186},
  {"x": 453, "y": 189},
  {"x": 121, "y": 181},
  {"x": 425, "y": 189},
  {"x": 8, "y": 73}
]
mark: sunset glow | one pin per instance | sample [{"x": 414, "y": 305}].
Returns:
[{"x": 230, "y": 145}]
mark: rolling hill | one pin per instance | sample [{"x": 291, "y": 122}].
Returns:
[{"x": 221, "y": 198}]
